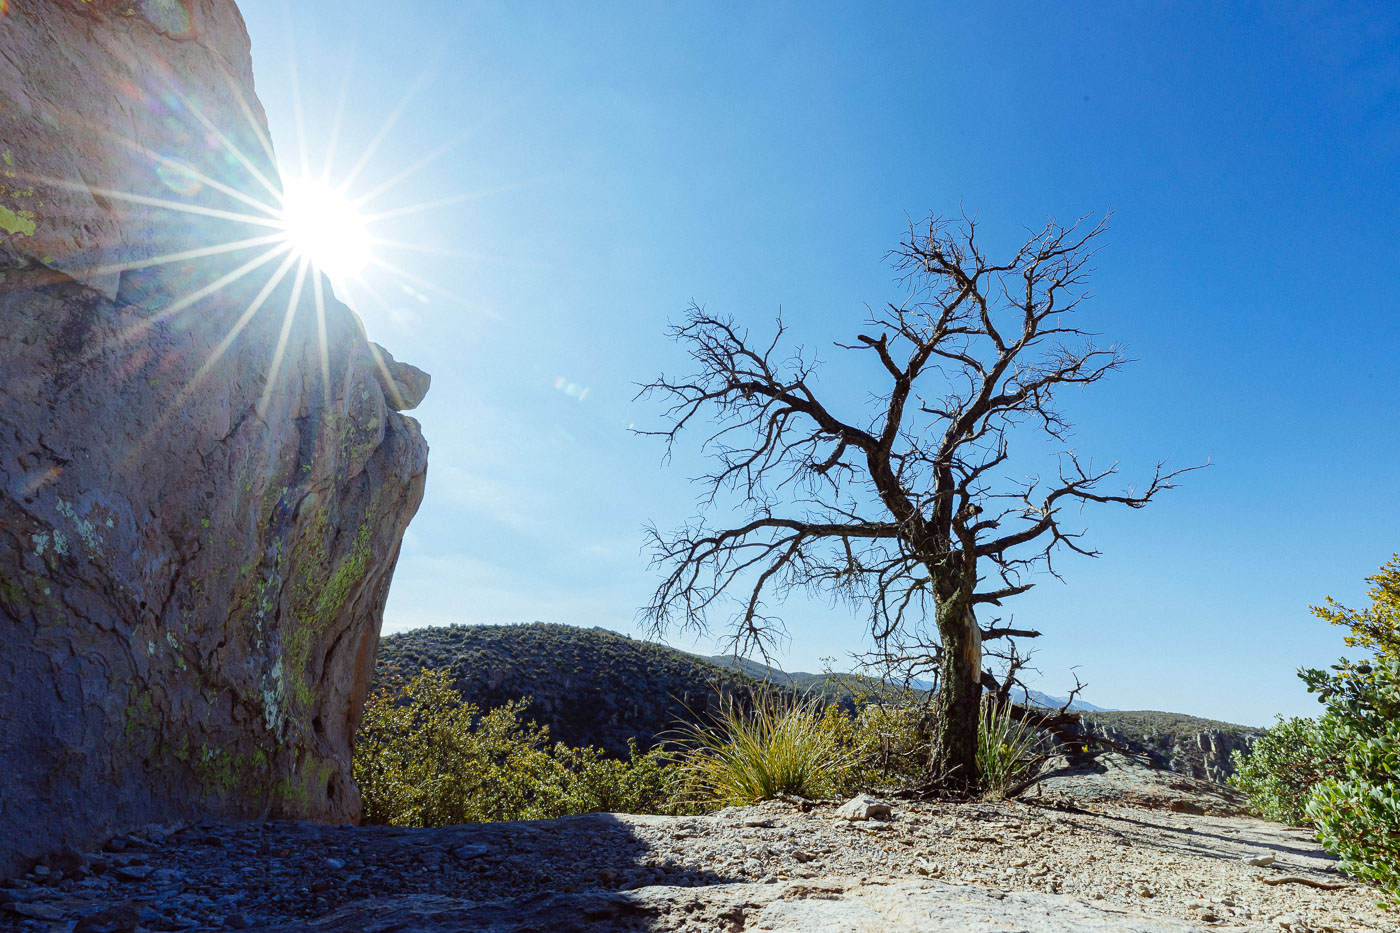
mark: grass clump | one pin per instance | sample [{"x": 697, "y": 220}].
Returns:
[
  {"x": 1006, "y": 750},
  {"x": 782, "y": 745}
]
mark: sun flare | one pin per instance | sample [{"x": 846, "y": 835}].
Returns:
[{"x": 325, "y": 228}]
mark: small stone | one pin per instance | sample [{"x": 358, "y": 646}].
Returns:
[
  {"x": 36, "y": 911},
  {"x": 133, "y": 872},
  {"x": 758, "y": 822},
  {"x": 237, "y": 922},
  {"x": 117, "y": 844},
  {"x": 1262, "y": 861},
  {"x": 1186, "y": 806},
  {"x": 863, "y": 807},
  {"x": 335, "y": 863},
  {"x": 40, "y": 871},
  {"x": 802, "y": 856},
  {"x": 470, "y": 851},
  {"x": 123, "y": 918}
]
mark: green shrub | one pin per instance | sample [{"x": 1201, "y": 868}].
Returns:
[
  {"x": 423, "y": 757},
  {"x": 1006, "y": 750},
  {"x": 887, "y": 744},
  {"x": 780, "y": 746},
  {"x": 1278, "y": 774},
  {"x": 594, "y": 783},
  {"x": 1357, "y": 812}
]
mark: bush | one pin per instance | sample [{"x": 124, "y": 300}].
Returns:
[
  {"x": 1357, "y": 812},
  {"x": 423, "y": 757},
  {"x": 890, "y": 742},
  {"x": 1006, "y": 750},
  {"x": 1278, "y": 774},
  {"x": 780, "y": 746},
  {"x": 591, "y": 782}
]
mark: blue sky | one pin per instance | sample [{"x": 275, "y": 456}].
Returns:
[{"x": 611, "y": 162}]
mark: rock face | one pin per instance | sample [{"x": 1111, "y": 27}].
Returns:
[
  {"x": 203, "y": 486},
  {"x": 1205, "y": 754}
]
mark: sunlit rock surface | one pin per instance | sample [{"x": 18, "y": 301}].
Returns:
[{"x": 202, "y": 495}]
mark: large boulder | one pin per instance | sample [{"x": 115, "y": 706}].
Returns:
[{"x": 203, "y": 487}]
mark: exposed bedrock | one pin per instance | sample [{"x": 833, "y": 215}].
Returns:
[{"x": 203, "y": 487}]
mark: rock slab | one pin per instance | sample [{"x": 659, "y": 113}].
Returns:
[{"x": 203, "y": 483}]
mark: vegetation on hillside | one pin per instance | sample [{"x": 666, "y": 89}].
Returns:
[
  {"x": 426, "y": 757},
  {"x": 1145, "y": 724},
  {"x": 589, "y": 686},
  {"x": 1343, "y": 768},
  {"x": 593, "y": 687}
]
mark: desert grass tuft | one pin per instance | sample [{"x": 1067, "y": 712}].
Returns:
[
  {"x": 781, "y": 745},
  {"x": 1006, "y": 750}
]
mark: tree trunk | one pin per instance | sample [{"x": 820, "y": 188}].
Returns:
[{"x": 958, "y": 704}]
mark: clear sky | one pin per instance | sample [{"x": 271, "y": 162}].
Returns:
[{"x": 610, "y": 162}]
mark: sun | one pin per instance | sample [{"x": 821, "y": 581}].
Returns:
[{"x": 325, "y": 228}]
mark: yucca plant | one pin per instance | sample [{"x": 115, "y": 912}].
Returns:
[
  {"x": 779, "y": 746},
  {"x": 1006, "y": 750}
]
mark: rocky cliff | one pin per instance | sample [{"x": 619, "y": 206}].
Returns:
[
  {"x": 204, "y": 474},
  {"x": 1198, "y": 748}
]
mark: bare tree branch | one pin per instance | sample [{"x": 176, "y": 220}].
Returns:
[{"x": 898, "y": 509}]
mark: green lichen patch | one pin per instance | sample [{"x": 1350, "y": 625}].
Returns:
[{"x": 17, "y": 223}]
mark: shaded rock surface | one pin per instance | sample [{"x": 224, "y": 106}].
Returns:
[
  {"x": 1074, "y": 857},
  {"x": 202, "y": 486}
]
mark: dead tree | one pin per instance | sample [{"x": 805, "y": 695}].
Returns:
[{"x": 903, "y": 511}]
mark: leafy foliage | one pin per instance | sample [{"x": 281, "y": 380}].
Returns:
[
  {"x": 1284, "y": 766},
  {"x": 1342, "y": 770},
  {"x": 1357, "y": 813},
  {"x": 1377, "y": 627},
  {"x": 891, "y": 743},
  {"x": 424, "y": 757}
]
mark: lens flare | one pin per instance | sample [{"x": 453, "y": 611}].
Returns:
[{"x": 323, "y": 226}]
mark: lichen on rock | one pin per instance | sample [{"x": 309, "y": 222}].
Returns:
[{"x": 197, "y": 530}]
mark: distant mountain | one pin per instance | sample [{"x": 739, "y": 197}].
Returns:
[
  {"x": 834, "y": 685},
  {"x": 1036, "y": 698}
]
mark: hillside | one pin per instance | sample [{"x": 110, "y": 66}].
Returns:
[
  {"x": 1201, "y": 748},
  {"x": 836, "y": 686},
  {"x": 589, "y": 686},
  {"x": 596, "y": 687}
]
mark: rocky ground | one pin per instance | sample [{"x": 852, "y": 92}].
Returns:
[{"x": 1100, "y": 845}]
